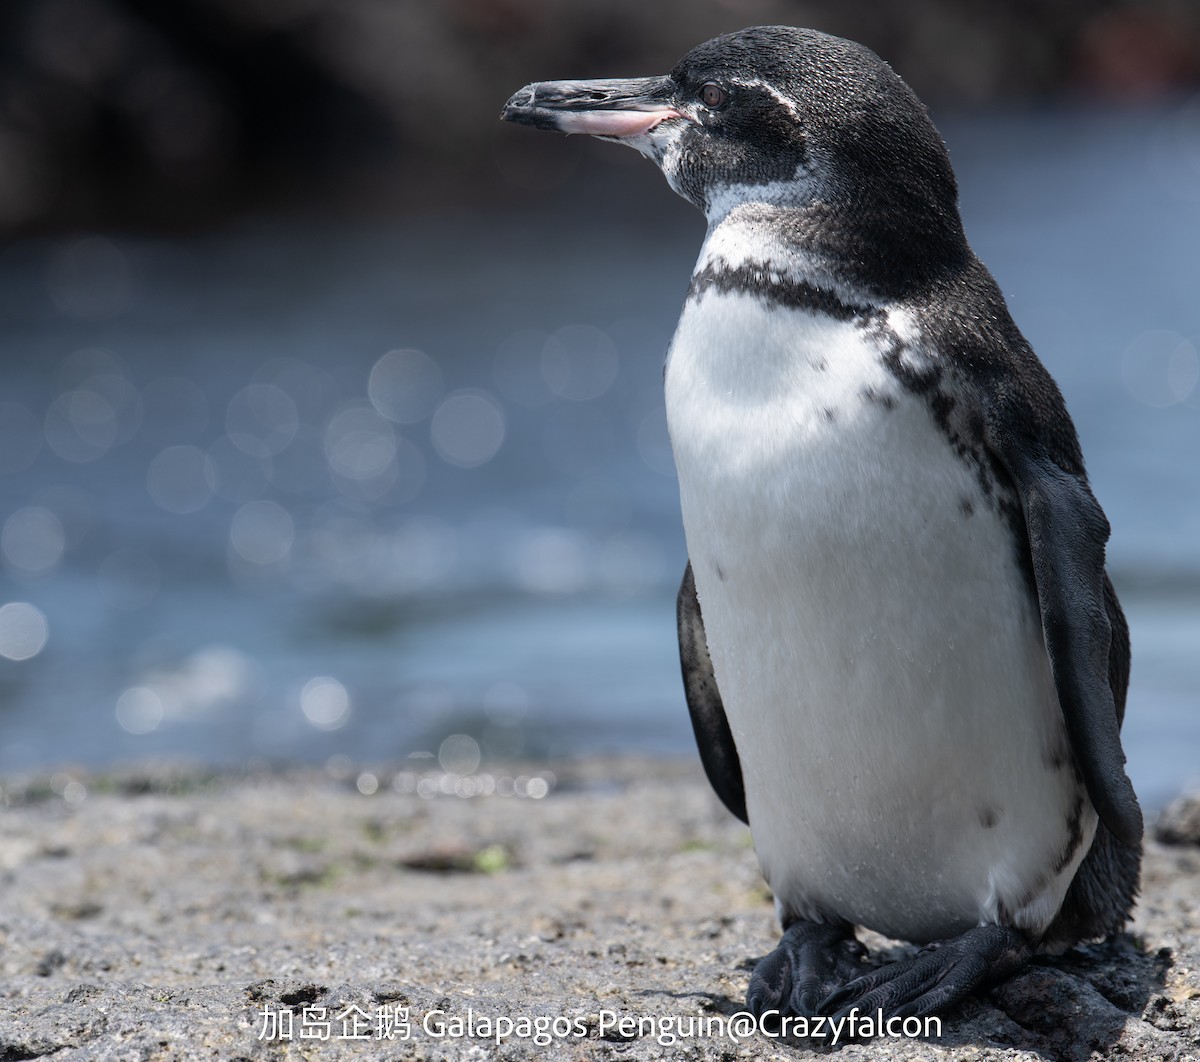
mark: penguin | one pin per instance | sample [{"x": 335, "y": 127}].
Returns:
[{"x": 904, "y": 661}]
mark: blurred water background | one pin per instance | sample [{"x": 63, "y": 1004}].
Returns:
[{"x": 357, "y": 449}]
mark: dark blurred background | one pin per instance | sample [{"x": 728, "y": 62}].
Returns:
[
  {"x": 148, "y": 115},
  {"x": 330, "y": 407}
]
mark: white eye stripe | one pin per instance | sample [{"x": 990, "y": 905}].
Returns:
[{"x": 783, "y": 101}]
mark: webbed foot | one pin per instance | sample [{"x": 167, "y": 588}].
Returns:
[
  {"x": 811, "y": 961},
  {"x": 938, "y": 976}
]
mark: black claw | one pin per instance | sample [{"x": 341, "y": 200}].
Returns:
[
  {"x": 938, "y": 977},
  {"x": 805, "y": 1003},
  {"x": 811, "y": 959},
  {"x": 770, "y": 983},
  {"x": 846, "y": 994}
]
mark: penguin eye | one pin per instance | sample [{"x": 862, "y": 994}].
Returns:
[{"x": 712, "y": 95}]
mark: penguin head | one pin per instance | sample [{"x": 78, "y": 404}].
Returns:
[{"x": 774, "y": 115}]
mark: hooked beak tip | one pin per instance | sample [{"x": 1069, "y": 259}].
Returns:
[
  {"x": 522, "y": 99},
  {"x": 522, "y": 109}
]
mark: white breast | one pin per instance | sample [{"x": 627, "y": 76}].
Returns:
[{"x": 879, "y": 657}]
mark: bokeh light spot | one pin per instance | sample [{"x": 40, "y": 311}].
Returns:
[
  {"x": 81, "y": 426},
  {"x": 262, "y": 532},
  {"x": 139, "y": 710},
  {"x": 468, "y": 428},
  {"x": 23, "y": 630},
  {"x": 180, "y": 479},
  {"x": 261, "y": 419},
  {"x": 325, "y": 703},
  {"x": 368, "y": 459},
  {"x": 214, "y": 676},
  {"x": 459, "y": 754},
  {"x": 405, "y": 385},
  {"x": 359, "y": 443},
  {"x": 32, "y": 540}
]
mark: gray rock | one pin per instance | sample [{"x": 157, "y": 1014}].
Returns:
[
  {"x": 1180, "y": 821},
  {"x": 171, "y": 914}
]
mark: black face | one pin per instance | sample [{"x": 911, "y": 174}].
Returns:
[
  {"x": 785, "y": 118},
  {"x": 740, "y": 134},
  {"x": 776, "y": 104}
]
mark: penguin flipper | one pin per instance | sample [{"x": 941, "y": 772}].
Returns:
[
  {"x": 1101, "y": 895},
  {"x": 1082, "y": 625},
  {"x": 718, "y": 753}
]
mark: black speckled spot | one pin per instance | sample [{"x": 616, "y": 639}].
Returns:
[
  {"x": 720, "y": 572},
  {"x": 928, "y": 376},
  {"x": 830, "y": 414},
  {"x": 975, "y": 428},
  {"x": 879, "y": 398},
  {"x": 919, "y": 378},
  {"x": 1027, "y": 897},
  {"x": 1074, "y": 833},
  {"x": 943, "y": 405},
  {"x": 988, "y": 817},
  {"x": 1055, "y": 758},
  {"x": 966, "y": 506},
  {"x": 820, "y": 365}
]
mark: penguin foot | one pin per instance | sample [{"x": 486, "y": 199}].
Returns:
[
  {"x": 938, "y": 976},
  {"x": 811, "y": 960}
]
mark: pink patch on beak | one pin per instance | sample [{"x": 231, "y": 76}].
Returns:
[{"x": 614, "y": 123}]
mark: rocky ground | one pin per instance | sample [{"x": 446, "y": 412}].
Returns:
[{"x": 173, "y": 914}]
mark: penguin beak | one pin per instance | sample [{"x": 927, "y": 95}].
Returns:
[{"x": 615, "y": 109}]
